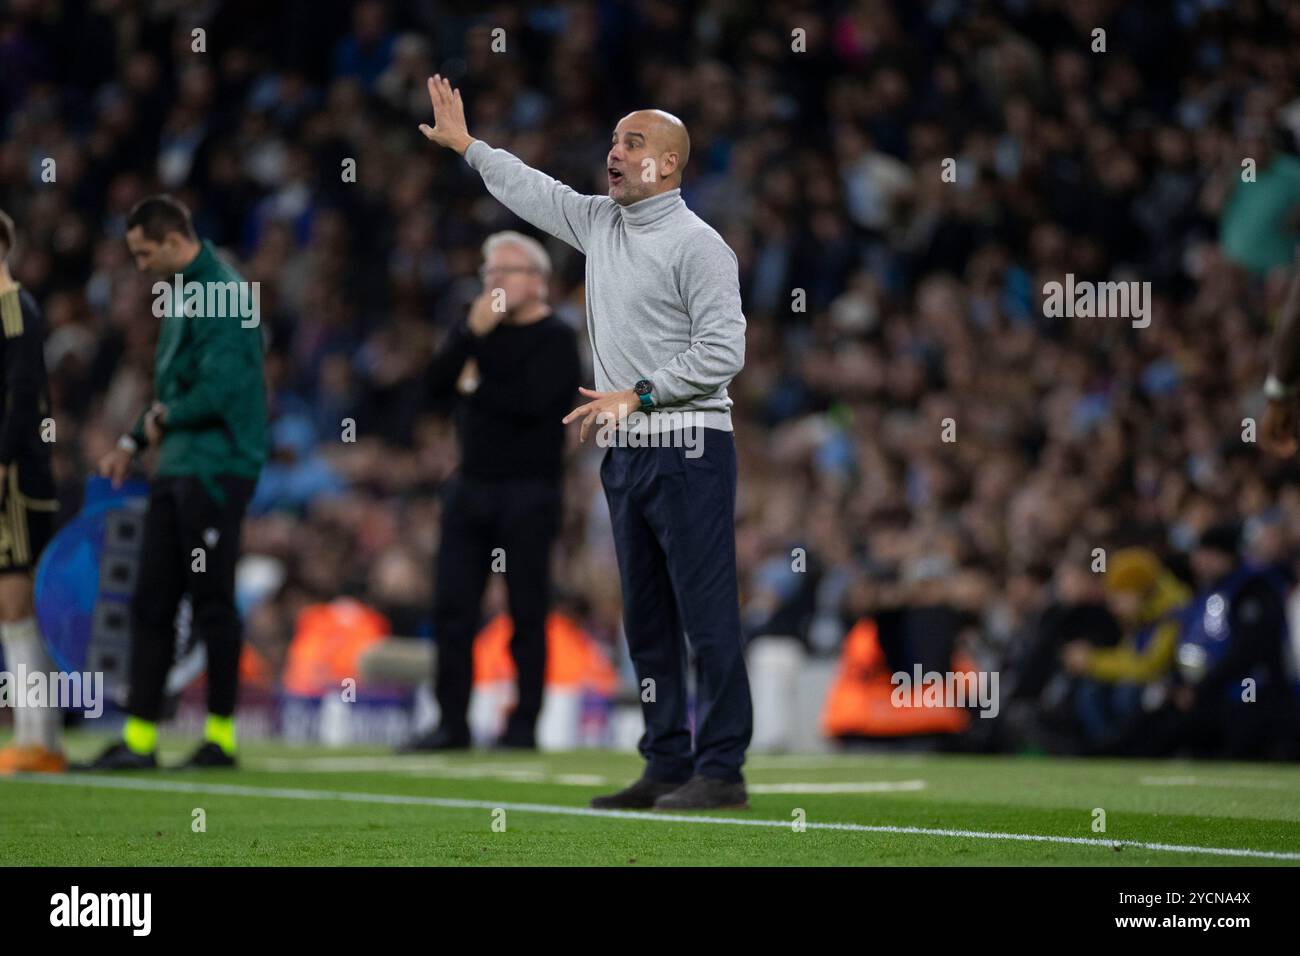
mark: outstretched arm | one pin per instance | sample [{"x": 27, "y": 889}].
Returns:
[{"x": 530, "y": 194}]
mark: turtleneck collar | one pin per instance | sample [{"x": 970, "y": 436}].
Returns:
[
  {"x": 649, "y": 211},
  {"x": 201, "y": 262}
]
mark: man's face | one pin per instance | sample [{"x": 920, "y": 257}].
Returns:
[
  {"x": 636, "y": 165},
  {"x": 509, "y": 269},
  {"x": 160, "y": 259},
  {"x": 1075, "y": 585}
]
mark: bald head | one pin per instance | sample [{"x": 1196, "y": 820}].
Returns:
[
  {"x": 650, "y": 149},
  {"x": 667, "y": 134}
]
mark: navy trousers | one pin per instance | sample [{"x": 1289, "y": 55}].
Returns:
[{"x": 673, "y": 519}]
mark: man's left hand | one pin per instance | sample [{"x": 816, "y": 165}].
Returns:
[{"x": 617, "y": 404}]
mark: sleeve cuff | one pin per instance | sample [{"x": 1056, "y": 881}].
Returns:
[
  {"x": 471, "y": 148},
  {"x": 664, "y": 392}
]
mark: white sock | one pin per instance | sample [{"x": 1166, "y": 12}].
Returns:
[
  {"x": 16, "y": 654},
  {"x": 33, "y": 726}
]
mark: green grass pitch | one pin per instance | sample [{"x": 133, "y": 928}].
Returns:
[{"x": 364, "y": 806}]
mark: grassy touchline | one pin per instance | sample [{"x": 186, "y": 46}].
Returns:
[{"x": 240, "y": 790}]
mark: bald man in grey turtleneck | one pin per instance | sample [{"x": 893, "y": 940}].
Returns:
[{"x": 667, "y": 337}]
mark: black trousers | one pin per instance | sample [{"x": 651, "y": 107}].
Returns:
[
  {"x": 521, "y": 517},
  {"x": 190, "y": 545}
]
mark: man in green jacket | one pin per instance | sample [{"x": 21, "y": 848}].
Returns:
[{"x": 209, "y": 421}]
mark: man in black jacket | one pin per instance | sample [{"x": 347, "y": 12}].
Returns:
[
  {"x": 27, "y": 513},
  {"x": 501, "y": 511}
]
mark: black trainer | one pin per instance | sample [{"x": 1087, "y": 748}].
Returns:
[
  {"x": 638, "y": 796},
  {"x": 209, "y": 754},
  {"x": 435, "y": 741},
  {"x": 119, "y": 756},
  {"x": 705, "y": 793}
]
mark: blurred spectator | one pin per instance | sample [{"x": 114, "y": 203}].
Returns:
[{"x": 1146, "y": 600}]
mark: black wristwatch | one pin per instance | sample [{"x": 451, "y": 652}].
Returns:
[{"x": 645, "y": 391}]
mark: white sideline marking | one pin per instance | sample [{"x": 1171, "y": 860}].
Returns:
[
  {"x": 237, "y": 790},
  {"x": 1210, "y": 782}
]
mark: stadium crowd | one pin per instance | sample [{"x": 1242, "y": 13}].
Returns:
[{"x": 907, "y": 415}]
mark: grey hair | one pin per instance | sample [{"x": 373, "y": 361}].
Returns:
[{"x": 531, "y": 247}]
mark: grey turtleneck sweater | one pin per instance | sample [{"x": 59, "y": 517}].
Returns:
[{"x": 663, "y": 288}]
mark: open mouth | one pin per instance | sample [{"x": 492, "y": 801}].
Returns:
[{"x": 615, "y": 176}]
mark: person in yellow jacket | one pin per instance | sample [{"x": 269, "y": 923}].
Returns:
[{"x": 1145, "y": 597}]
